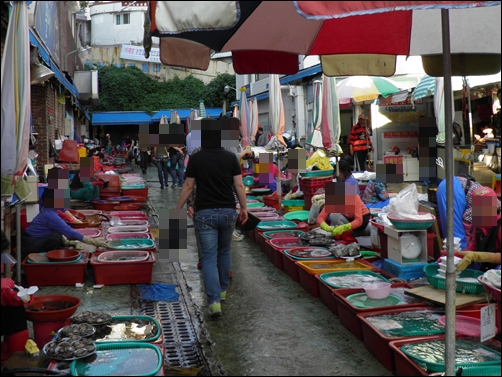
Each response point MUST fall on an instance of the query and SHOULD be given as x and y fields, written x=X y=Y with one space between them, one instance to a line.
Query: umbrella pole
x=18 y=243
x=471 y=165
x=279 y=188
x=450 y=268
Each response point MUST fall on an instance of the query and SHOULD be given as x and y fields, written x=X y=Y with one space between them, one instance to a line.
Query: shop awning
x=84 y=111
x=214 y=112
x=53 y=66
x=121 y=118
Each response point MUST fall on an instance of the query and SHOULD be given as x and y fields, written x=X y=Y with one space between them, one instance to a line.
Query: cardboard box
x=394 y=244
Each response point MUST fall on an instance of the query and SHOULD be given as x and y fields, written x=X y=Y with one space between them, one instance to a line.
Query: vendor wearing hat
x=260 y=137
x=359 y=142
x=484 y=245
x=345 y=211
x=109 y=144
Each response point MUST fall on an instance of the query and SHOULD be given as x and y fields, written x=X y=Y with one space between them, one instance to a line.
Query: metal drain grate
x=182 y=355
x=178 y=332
x=180 y=339
x=167 y=311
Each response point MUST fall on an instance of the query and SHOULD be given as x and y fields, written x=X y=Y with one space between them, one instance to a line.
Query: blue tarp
x=158 y=292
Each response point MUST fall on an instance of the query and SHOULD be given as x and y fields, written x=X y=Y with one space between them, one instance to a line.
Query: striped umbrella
x=245 y=121
x=315 y=138
x=254 y=118
x=16 y=103
x=330 y=122
x=365 y=88
x=202 y=109
x=425 y=87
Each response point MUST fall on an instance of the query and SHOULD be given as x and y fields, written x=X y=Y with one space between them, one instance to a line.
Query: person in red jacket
x=360 y=142
x=14 y=325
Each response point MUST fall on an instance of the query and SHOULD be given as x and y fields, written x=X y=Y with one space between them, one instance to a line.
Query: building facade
x=115 y=30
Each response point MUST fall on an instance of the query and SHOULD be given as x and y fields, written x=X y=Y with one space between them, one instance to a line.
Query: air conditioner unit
x=68 y=125
x=87 y=85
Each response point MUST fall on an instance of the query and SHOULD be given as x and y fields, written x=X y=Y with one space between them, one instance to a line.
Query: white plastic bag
x=405 y=204
x=58 y=144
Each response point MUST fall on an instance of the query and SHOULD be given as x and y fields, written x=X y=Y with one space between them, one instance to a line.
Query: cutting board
x=438 y=296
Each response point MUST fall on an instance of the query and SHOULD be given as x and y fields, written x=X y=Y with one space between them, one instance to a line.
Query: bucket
x=81 y=152
x=491 y=147
x=43 y=330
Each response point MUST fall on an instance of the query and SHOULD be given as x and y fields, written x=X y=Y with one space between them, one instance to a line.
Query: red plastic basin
x=35 y=314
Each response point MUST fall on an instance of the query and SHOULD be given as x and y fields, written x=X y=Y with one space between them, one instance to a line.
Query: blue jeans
x=215 y=228
x=179 y=160
x=162 y=171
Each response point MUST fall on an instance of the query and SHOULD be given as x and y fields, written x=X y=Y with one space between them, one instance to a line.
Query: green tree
x=129 y=89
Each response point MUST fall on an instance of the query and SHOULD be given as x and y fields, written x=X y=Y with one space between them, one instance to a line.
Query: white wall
x=106 y=32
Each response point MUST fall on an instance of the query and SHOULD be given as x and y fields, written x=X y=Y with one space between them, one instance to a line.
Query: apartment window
x=123 y=19
x=261 y=76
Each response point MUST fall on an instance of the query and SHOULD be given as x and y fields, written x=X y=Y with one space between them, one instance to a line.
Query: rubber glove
x=477 y=256
x=68 y=243
x=340 y=229
x=67 y=216
x=98 y=183
x=327 y=228
x=95 y=242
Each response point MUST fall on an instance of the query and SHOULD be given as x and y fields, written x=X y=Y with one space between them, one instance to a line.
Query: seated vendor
x=83 y=185
x=463 y=189
x=48 y=231
x=14 y=325
x=345 y=174
x=345 y=211
x=375 y=195
x=483 y=239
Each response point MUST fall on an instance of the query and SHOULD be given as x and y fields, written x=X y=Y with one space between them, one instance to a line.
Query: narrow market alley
x=270 y=324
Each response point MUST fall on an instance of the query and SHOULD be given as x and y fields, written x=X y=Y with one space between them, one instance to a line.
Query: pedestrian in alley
x=177 y=158
x=109 y=145
x=360 y=142
x=161 y=160
x=215 y=170
x=144 y=155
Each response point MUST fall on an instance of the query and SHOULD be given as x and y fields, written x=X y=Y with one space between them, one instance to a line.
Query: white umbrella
x=330 y=123
x=276 y=120
x=253 y=106
x=315 y=138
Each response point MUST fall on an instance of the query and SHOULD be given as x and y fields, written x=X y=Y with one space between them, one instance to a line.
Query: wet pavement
x=270 y=324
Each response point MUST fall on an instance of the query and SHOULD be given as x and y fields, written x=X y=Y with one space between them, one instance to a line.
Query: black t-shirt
x=214 y=170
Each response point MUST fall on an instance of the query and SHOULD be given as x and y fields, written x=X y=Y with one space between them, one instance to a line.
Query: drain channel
x=180 y=339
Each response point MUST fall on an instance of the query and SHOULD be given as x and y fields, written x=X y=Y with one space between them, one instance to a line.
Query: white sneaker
x=237 y=237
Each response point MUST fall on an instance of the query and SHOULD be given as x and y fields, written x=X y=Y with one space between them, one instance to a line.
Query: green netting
x=413 y=323
x=430 y=354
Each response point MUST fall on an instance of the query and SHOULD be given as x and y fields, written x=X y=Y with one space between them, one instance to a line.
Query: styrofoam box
x=394 y=244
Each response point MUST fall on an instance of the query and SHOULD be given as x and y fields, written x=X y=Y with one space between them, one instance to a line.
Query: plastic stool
x=496 y=183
